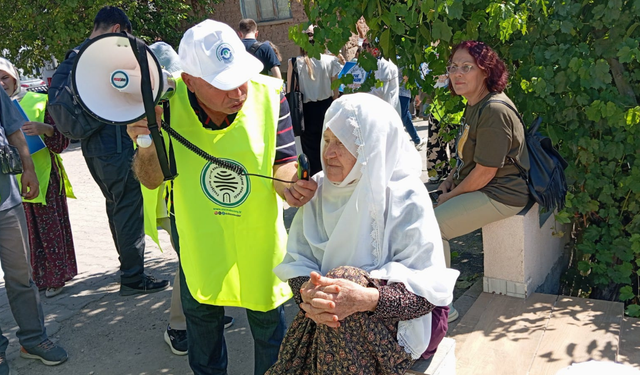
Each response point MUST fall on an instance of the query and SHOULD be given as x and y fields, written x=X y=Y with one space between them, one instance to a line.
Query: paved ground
x=108 y=334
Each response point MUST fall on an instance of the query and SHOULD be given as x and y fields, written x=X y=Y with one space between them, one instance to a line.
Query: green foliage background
x=34 y=30
x=576 y=64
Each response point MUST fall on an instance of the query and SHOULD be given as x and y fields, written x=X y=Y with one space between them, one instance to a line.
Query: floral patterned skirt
x=53 y=257
x=361 y=345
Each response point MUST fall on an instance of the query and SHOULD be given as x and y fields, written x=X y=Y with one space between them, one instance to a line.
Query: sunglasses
x=464 y=69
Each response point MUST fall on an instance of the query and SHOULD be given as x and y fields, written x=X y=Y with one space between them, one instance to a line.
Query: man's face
x=217 y=100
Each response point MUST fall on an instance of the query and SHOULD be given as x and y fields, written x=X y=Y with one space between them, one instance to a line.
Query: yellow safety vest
x=34 y=106
x=230 y=226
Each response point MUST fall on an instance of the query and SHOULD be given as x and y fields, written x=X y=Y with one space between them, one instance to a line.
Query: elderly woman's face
x=338 y=161
x=8 y=83
x=465 y=75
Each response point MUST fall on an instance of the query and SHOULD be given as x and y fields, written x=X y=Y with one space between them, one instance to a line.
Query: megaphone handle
x=140 y=52
x=144 y=140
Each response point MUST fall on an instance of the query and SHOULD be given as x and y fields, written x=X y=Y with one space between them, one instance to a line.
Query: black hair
x=247 y=26
x=109 y=16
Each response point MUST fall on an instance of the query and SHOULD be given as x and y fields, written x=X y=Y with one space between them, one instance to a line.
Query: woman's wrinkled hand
x=328 y=301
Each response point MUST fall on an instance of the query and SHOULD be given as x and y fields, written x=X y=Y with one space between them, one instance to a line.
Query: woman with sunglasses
x=484 y=186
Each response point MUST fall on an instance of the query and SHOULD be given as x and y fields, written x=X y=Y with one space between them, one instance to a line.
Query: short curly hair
x=488 y=60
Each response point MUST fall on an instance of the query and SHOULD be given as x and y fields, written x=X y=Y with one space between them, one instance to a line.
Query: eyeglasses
x=464 y=69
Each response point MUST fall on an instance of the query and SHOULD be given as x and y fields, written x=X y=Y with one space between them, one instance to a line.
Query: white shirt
x=323 y=70
x=389 y=92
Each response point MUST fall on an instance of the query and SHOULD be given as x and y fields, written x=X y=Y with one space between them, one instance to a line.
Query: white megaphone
x=106 y=79
x=110 y=85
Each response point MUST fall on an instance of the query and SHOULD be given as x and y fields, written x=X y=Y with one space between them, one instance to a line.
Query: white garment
x=379 y=219
x=8 y=67
x=389 y=92
x=323 y=70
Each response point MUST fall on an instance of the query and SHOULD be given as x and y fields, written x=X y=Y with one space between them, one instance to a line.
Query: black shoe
x=148 y=284
x=228 y=321
x=177 y=340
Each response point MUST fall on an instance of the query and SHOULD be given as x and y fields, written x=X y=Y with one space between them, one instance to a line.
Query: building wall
x=277 y=32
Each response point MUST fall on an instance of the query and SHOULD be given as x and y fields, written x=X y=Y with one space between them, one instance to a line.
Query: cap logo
x=224 y=52
x=119 y=79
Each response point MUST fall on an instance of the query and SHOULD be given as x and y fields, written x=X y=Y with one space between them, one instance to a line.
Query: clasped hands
x=328 y=301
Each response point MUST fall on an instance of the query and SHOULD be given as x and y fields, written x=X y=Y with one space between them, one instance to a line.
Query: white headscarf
x=8 y=67
x=380 y=218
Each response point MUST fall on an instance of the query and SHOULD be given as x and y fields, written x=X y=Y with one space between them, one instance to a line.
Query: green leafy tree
x=576 y=64
x=33 y=30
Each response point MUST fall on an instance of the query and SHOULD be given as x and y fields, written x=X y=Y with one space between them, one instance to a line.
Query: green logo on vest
x=224 y=187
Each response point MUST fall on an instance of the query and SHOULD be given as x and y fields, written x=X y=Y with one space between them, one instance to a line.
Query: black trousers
x=123 y=196
x=312 y=136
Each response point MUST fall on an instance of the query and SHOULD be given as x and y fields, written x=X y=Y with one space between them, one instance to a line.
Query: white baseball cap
x=212 y=51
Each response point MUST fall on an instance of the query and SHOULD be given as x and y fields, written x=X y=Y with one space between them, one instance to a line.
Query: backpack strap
x=521 y=170
x=70 y=52
x=254 y=47
x=507 y=105
x=295 y=80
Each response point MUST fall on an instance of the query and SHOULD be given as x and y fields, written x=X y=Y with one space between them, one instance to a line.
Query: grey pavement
x=104 y=333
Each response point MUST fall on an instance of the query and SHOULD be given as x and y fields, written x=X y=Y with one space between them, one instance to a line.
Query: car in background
x=33 y=84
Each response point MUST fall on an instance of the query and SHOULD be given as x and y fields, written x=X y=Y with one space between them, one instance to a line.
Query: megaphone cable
x=210 y=158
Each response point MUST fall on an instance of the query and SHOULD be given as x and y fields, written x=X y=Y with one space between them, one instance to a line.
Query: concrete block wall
x=520 y=255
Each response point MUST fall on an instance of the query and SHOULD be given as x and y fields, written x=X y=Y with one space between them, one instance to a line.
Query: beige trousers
x=177 y=319
x=467 y=212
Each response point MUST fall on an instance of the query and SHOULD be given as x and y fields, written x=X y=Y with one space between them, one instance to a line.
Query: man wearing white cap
x=227 y=226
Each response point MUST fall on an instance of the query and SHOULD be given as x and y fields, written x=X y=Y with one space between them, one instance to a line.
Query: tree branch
x=624 y=88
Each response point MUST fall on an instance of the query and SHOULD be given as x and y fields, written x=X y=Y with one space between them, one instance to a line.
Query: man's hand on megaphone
x=141 y=127
x=145 y=164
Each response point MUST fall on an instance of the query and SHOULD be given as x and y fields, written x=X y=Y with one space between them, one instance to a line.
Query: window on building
x=265 y=10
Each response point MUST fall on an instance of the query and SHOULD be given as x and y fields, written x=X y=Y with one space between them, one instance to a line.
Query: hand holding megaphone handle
x=140 y=51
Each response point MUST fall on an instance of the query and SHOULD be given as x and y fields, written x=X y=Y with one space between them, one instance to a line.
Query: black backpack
x=546 y=180
x=70 y=118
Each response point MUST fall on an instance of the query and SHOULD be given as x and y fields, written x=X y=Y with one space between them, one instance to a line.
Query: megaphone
x=109 y=84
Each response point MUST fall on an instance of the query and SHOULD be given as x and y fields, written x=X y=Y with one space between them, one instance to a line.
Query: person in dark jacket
x=109 y=152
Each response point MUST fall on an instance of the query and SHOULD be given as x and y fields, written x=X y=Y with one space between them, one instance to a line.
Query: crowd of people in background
x=381 y=274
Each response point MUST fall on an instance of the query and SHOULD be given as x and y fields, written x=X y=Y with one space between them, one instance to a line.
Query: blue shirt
x=10 y=122
x=264 y=53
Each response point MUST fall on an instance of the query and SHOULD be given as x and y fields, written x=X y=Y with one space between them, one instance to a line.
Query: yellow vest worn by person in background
x=230 y=227
x=34 y=106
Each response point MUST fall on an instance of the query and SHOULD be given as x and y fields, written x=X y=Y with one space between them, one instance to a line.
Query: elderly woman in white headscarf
x=364 y=256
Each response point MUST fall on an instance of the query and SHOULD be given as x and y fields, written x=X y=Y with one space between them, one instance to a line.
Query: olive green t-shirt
x=489 y=140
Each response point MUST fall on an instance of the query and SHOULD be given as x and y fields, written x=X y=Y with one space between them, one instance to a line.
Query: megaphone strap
x=140 y=51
